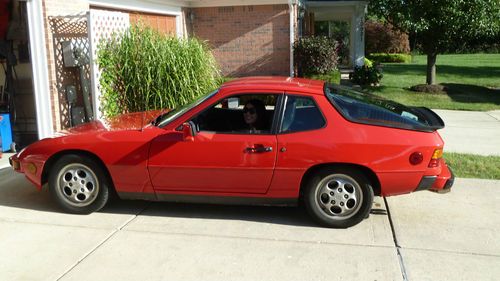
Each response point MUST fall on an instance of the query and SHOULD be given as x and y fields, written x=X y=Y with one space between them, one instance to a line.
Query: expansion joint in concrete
x=111 y=235
x=396 y=243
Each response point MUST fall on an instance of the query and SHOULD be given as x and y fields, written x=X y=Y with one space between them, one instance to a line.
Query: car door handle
x=259 y=149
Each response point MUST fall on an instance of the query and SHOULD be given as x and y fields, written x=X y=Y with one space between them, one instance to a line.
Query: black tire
x=338 y=197
x=78 y=184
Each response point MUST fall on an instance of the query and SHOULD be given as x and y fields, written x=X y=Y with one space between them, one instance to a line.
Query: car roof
x=277 y=83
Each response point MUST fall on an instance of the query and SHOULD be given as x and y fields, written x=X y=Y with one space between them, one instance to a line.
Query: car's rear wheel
x=78 y=184
x=339 y=197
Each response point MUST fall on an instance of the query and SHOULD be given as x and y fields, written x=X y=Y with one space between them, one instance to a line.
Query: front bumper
x=15 y=163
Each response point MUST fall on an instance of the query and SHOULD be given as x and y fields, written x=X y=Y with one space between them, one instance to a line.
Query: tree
x=442 y=25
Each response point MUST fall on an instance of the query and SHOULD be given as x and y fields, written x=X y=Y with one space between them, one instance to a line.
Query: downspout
x=39 y=67
x=292 y=4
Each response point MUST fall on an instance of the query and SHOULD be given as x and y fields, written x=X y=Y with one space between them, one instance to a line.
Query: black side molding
x=221 y=200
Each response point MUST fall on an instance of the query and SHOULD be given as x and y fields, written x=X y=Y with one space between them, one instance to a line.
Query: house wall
x=246 y=40
x=59 y=76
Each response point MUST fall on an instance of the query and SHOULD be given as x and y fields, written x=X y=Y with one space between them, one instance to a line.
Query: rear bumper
x=441 y=183
x=448 y=182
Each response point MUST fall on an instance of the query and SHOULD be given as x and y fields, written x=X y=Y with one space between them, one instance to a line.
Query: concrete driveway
x=422 y=236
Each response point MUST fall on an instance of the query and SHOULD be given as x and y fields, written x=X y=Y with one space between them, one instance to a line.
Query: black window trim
x=283 y=109
x=209 y=96
x=277 y=108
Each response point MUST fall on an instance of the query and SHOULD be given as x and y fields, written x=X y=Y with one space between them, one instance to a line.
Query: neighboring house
x=248 y=37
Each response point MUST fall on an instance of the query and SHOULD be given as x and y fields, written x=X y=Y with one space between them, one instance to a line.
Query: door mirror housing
x=188 y=131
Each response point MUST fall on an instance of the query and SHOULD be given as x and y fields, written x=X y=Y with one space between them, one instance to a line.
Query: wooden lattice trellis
x=103 y=24
x=69 y=29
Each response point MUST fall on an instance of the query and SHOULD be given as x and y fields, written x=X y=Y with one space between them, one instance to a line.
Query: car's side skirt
x=224 y=200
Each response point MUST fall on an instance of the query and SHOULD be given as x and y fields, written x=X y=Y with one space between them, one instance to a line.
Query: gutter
x=292 y=4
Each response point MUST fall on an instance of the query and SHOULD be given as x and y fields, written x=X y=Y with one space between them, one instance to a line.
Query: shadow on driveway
x=17 y=192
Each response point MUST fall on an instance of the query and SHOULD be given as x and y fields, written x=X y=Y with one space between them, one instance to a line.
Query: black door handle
x=259 y=149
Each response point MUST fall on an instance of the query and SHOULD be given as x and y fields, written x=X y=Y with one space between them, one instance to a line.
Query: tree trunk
x=431 y=69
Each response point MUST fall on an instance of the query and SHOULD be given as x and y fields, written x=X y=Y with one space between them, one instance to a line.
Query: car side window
x=301 y=114
x=241 y=114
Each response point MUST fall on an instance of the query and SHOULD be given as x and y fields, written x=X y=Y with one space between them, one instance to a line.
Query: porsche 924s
x=327 y=146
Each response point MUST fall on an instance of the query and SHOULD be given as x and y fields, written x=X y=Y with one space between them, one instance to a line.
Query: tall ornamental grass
x=143 y=69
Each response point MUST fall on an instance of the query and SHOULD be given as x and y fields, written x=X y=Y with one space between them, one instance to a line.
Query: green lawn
x=473 y=166
x=473 y=82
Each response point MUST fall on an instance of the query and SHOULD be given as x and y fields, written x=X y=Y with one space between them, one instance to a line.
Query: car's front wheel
x=338 y=198
x=78 y=184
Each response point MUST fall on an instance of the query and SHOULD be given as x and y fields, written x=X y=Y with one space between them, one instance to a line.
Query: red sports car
x=260 y=140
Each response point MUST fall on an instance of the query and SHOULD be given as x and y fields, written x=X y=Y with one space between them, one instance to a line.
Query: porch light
x=302 y=12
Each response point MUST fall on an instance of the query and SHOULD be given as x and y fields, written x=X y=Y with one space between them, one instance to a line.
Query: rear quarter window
x=370 y=109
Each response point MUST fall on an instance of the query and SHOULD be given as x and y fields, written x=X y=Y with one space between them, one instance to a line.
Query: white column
x=358 y=28
x=40 y=68
x=293 y=7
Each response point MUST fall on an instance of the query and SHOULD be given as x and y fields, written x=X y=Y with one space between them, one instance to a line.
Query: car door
x=301 y=141
x=220 y=158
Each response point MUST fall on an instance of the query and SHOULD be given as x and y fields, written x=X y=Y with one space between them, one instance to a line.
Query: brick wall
x=53 y=8
x=246 y=40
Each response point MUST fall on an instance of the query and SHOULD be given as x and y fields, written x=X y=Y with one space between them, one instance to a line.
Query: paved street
x=438 y=237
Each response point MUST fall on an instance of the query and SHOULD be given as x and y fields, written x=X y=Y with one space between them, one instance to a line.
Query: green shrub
x=332 y=77
x=365 y=75
x=144 y=70
x=384 y=38
x=315 y=55
x=368 y=62
x=383 y=57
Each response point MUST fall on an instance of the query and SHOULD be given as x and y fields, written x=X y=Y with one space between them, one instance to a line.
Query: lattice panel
x=69 y=29
x=103 y=24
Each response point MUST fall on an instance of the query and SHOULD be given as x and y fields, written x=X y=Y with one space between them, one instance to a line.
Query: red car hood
x=130 y=121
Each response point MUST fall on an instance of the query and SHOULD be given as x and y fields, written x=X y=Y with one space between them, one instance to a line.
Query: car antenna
x=143 y=112
x=142 y=120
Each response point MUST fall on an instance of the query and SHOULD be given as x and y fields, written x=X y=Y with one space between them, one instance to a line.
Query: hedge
x=383 y=57
x=332 y=77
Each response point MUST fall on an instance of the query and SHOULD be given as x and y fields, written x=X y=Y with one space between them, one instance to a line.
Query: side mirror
x=188 y=131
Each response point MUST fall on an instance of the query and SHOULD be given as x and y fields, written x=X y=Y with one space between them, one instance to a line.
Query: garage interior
x=18 y=126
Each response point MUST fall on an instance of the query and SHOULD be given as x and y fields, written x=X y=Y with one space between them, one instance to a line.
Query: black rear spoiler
x=431 y=118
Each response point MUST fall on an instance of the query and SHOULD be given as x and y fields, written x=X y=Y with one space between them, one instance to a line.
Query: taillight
x=436 y=156
x=416 y=158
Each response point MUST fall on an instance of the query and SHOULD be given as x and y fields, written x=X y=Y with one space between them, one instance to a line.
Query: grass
x=473 y=82
x=474 y=166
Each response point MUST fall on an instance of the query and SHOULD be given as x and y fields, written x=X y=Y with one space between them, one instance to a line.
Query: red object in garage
x=4 y=18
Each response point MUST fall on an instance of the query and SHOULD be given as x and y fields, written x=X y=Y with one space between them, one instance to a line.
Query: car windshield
x=167 y=117
x=368 y=108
